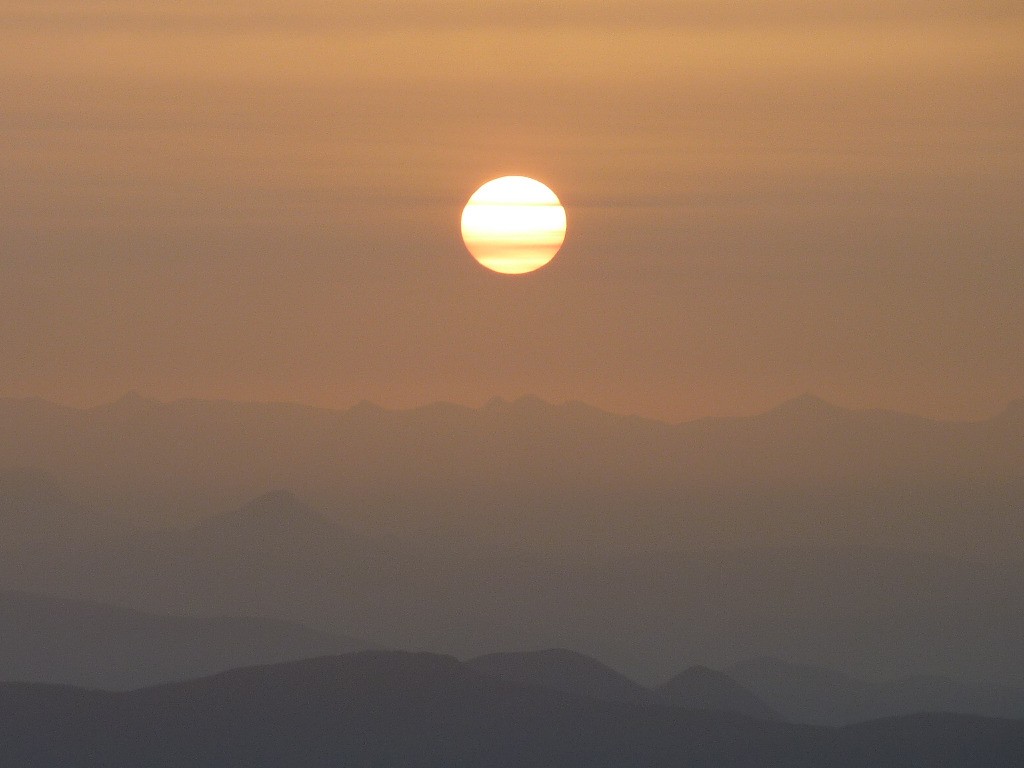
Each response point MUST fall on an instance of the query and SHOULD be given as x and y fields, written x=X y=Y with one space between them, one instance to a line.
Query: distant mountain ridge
x=48 y=639
x=74 y=642
x=702 y=688
x=806 y=473
x=562 y=670
x=271 y=517
x=866 y=611
x=70 y=642
x=558 y=669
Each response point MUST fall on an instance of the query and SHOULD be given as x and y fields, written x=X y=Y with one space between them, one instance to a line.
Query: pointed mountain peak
x=276 y=514
x=365 y=408
x=808 y=402
x=700 y=687
x=496 y=403
x=578 y=406
x=530 y=404
x=807 y=405
x=527 y=405
x=560 y=669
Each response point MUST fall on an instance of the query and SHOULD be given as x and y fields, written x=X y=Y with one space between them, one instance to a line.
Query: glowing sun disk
x=513 y=225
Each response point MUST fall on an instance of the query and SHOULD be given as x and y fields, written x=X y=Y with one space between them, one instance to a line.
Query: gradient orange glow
x=513 y=225
x=260 y=201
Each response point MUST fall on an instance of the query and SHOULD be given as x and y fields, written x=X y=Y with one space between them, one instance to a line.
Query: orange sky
x=261 y=200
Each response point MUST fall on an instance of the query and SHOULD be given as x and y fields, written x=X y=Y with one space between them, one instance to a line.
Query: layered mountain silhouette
x=703 y=688
x=392 y=709
x=869 y=612
x=536 y=475
x=51 y=640
x=879 y=544
x=559 y=669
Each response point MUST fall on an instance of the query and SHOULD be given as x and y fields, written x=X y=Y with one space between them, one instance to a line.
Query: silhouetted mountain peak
x=584 y=409
x=552 y=476
x=531 y=403
x=700 y=687
x=521 y=406
x=807 y=405
x=560 y=669
x=496 y=403
x=276 y=513
x=366 y=408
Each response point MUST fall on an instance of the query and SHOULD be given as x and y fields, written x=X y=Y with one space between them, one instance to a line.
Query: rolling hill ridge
x=378 y=708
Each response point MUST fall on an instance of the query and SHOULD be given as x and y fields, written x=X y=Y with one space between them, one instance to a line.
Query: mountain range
x=390 y=708
x=559 y=669
x=91 y=645
x=872 y=613
x=812 y=564
x=528 y=474
x=702 y=688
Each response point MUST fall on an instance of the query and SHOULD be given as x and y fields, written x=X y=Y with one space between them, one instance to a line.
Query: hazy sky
x=260 y=200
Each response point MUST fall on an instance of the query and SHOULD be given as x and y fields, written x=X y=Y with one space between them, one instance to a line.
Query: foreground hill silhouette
x=47 y=639
x=538 y=475
x=396 y=709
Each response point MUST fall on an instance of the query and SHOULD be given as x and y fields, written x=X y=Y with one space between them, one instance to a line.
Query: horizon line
x=805 y=400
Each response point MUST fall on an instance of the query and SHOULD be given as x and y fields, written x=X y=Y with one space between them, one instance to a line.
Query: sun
x=513 y=225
